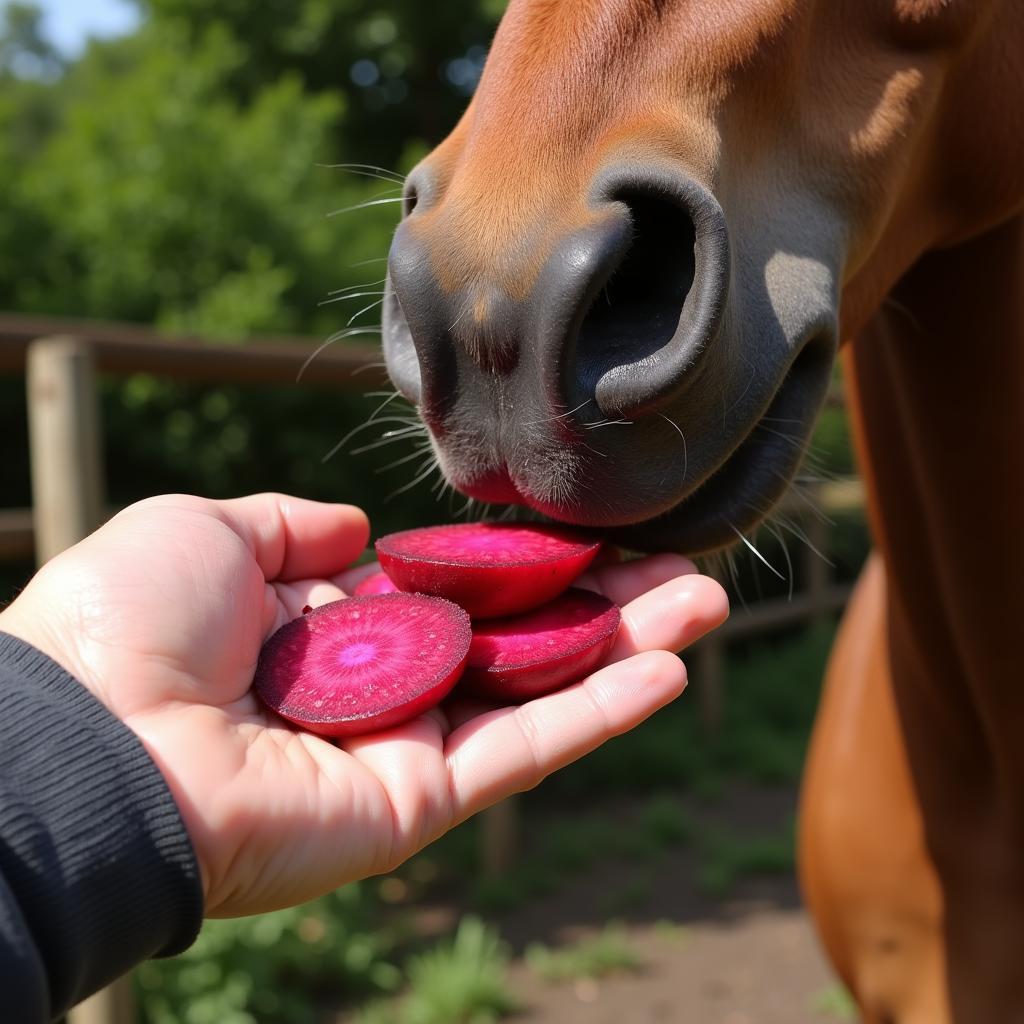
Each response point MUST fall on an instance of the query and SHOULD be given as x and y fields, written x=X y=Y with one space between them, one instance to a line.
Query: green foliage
x=770 y=694
x=727 y=857
x=665 y=820
x=608 y=952
x=24 y=49
x=257 y=969
x=461 y=981
x=405 y=66
x=176 y=177
x=836 y=1002
x=564 y=848
x=168 y=202
x=832 y=443
x=627 y=897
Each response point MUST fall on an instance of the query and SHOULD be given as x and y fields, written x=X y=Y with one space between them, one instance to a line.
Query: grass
x=266 y=968
x=672 y=931
x=606 y=953
x=726 y=857
x=835 y=1001
x=461 y=981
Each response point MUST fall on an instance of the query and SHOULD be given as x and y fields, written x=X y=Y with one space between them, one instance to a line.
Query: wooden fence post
x=499 y=837
x=710 y=681
x=64 y=444
x=65 y=447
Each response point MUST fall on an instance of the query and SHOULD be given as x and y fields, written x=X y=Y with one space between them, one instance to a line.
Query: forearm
x=96 y=870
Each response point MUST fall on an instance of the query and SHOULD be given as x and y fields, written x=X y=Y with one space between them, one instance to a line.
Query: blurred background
x=170 y=184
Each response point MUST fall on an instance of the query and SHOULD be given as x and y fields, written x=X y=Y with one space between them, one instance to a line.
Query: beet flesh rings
x=364 y=663
x=525 y=656
x=385 y=656
x=490 y=569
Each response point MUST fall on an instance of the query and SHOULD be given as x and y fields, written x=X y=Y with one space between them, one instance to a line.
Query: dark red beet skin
x=490 y=569
x=525 y=656
x=364 y=663
x=378 y=583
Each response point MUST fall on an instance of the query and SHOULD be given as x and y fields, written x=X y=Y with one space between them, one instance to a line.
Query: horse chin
x=752 y=479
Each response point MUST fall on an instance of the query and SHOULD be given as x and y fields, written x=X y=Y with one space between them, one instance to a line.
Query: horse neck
x=937 y=382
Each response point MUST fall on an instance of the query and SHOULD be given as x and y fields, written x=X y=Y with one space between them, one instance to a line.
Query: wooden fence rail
x=61 y=358
x=126 y=348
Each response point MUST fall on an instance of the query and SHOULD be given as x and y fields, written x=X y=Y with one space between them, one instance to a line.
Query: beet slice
x=490 y=569
x=378 y=583
x=364 y=663
x=524 y=656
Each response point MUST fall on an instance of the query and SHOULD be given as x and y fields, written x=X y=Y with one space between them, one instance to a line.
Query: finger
x=292 y=538
x=622 y=583
x=293 y=598
x=351 y=578
x=671 y=616
x=512 y=749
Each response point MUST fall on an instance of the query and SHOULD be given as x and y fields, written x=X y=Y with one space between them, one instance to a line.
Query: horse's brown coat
x=895 y=130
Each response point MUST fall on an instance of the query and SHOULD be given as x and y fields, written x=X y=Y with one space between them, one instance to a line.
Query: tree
x=25 y=52
x=172 y=177
x=405 y=67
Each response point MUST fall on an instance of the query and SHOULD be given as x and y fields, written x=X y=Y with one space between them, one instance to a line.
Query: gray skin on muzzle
x=659 y=383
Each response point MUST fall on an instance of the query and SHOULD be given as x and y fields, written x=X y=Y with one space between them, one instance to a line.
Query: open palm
x=162 y=613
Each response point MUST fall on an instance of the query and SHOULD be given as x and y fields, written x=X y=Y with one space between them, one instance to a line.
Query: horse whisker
x=365 y=204
x=785 y=552
x=682 y=437
x=351 y=295
x=418 y=478
x=756 y=552
x=379 y=172
x=404 y=459
x=365 y=309
x=330 y=341
x=356 y=287
x=388 y=437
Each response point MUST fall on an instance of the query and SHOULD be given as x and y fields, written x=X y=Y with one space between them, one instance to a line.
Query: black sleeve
x=96 y=869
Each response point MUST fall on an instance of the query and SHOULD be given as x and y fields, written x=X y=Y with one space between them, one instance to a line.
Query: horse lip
x=494 y=488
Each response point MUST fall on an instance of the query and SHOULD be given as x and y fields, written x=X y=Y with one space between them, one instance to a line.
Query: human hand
x=161 y=614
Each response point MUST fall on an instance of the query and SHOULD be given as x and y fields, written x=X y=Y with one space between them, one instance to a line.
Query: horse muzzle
x=614 y=387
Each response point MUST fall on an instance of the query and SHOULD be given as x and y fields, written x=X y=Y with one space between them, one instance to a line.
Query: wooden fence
x=61 y=359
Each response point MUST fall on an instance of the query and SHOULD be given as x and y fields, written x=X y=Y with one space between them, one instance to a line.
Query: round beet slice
x=378 y=583
x=364 y=663
x=524 y=656
x=490 y=569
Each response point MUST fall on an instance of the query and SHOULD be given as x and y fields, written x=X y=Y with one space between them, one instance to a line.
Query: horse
x=616 y=296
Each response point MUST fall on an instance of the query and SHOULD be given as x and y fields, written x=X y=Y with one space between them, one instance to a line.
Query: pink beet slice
x=378 y=583
x=490 y=569
x=364 y=663
x=518 y=658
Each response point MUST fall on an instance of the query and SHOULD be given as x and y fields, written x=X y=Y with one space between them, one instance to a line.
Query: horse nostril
x=638 y=310
x=409 y=198
x=420 y=190
x=656 y=295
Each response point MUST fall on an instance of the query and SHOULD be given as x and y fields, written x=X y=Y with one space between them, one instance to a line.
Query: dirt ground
x=755 y=962
x=751 y=958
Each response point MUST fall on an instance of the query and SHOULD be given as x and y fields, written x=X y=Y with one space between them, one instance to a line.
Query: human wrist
x=40 y=627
